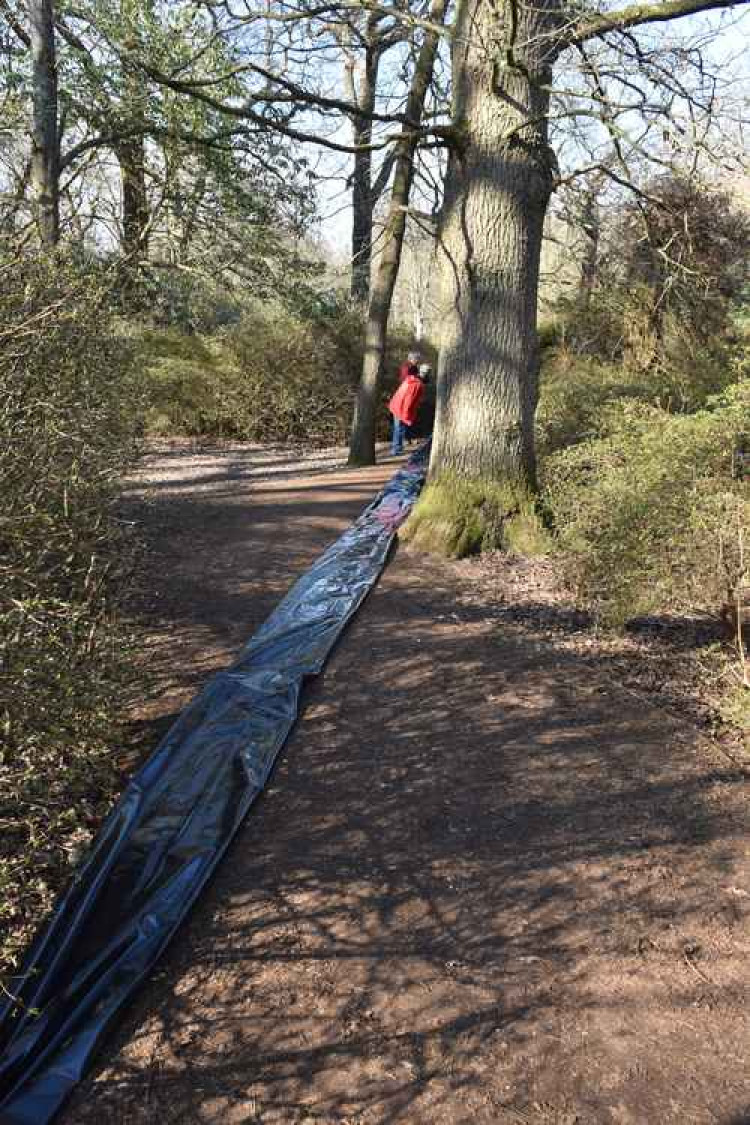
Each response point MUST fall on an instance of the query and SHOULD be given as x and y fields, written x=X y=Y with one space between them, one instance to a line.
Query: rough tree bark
x=45 y=142
x=498 y=186
x=364 y=424
x=362 y=194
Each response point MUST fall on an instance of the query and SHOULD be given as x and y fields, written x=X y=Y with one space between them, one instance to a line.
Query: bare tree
x=364 y=49
x=362 y=444
x=44 y=171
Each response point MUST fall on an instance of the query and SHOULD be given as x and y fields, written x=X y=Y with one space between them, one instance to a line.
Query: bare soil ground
x=488 y=882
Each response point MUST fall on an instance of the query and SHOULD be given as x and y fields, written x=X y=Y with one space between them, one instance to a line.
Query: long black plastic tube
x=170 y=828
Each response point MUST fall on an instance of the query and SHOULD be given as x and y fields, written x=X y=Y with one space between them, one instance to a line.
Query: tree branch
x=383 y=175
x=14 y=23
x=638 y=14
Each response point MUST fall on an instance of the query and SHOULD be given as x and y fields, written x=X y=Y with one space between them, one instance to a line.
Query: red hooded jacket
x=405 y=403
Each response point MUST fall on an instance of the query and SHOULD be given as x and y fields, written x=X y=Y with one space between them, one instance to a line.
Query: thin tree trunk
x=364 y=424
x=361 y=216
x=131 y=151
x=418 y=323
x=190 y=218
x=590 y=225
x=45 y=144
x=497 y=190
x=362 y=197
x=135 y=209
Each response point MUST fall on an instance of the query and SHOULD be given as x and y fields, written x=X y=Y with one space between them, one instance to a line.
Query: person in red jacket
x=409 y=367
x=404 y=407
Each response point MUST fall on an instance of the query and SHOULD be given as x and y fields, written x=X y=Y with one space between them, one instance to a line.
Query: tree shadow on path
x=482 y=885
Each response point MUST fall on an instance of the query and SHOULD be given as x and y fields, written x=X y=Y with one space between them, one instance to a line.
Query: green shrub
x=576 y=388
x=297 y=376
x=67 y=406
x=574 y=391
x=191 y=382
x=649 y=512
x=274 y=375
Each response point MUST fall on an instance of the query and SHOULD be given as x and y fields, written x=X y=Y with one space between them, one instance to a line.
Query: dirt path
x=484 y=885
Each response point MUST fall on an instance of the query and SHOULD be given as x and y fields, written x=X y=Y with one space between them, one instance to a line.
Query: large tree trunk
x=364 y=424
x=45 y=161
x=497 y=190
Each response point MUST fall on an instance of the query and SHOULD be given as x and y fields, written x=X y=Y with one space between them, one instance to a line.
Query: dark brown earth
x=486 y=883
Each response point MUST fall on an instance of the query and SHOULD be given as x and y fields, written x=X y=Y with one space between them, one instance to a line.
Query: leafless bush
x=66 y=431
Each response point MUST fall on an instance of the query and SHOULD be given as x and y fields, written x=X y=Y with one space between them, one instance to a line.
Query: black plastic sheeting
x=170 y=828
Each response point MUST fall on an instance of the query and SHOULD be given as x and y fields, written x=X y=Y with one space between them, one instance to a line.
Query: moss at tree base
x=456 y=517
